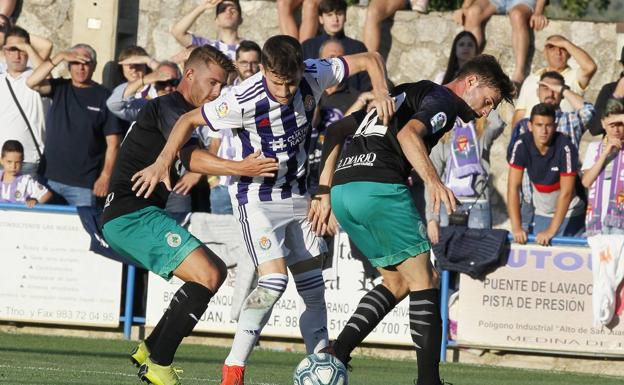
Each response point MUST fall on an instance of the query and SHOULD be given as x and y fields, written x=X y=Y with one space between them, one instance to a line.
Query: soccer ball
x=320 y=369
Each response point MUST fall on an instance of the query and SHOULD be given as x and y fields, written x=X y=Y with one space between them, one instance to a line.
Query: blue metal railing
x=444 y=287
x=130 y=275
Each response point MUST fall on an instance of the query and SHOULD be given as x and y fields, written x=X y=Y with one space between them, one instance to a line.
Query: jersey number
x=369 y=126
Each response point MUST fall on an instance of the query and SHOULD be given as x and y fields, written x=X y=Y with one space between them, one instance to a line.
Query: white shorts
x=279 y=229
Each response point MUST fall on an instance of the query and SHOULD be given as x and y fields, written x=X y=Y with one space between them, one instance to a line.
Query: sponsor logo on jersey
x=173 y=239
x=357 y=160
x=309 y=103
x=438 y=121
x=265 y=243
x=222 y=109
x=109 y=199
x=264 y=122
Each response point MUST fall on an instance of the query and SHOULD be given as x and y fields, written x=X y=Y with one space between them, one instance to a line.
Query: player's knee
x=398 y=287
x=269 y=290
x=212 y=277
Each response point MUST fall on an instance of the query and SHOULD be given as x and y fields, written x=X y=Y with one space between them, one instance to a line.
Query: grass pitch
x=46 y=360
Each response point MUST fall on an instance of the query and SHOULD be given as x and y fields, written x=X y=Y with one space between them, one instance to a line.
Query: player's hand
x=332 y=224
x=254 y=165
x=100 y=187
x=439 y=193
x=385 y=106
x=187 y=182
x=30 y=202
x=459 y=16
x=519 y=236
x=156 y=76
x=433 y=231
x=538 y=22
x=146 y=180
x=319 y=213
x=543 y=238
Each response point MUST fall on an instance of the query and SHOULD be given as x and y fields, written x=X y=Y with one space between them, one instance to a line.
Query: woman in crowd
x=463 y=49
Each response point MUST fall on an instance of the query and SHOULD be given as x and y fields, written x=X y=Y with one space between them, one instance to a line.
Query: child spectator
x=603 y=174
x=18 y=188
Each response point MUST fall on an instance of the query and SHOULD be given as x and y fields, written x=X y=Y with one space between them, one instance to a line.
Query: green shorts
x=152 y=239
x=381 y=219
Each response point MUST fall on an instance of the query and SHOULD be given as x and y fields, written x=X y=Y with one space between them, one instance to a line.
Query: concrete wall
x=417 y=45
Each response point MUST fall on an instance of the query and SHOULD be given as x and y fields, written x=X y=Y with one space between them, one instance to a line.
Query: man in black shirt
x=139 y=228
x=370 y=199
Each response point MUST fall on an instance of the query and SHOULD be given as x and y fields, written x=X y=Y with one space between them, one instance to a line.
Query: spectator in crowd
x=557 y=52
x=332 y=16
x=523 y=14
x=42 y=46
x=610 y=90
x=552 y=90
x=309 y=18
x=228 y=18
x=28 y=129
x=18 y=187
x=464 y=48
x=82 y=136
x=551 y=161
x=380 y=10
x=603 y=174
x=462 y=160
x=128 y=98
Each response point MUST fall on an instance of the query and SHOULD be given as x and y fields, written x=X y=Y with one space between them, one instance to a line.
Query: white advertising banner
x=542 y=300
x=49 y=275
x=345 y=285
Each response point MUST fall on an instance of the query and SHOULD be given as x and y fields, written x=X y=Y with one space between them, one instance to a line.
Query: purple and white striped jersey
x=228 y=49
x=281 y=132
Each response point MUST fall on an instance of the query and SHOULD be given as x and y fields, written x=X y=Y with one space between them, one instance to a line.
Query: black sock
x=426 y=330
x=187 y=306
x=372 y=308
x=150 y=341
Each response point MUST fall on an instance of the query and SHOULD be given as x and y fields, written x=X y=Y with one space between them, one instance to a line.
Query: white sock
x=313 y=313
x=254 y=315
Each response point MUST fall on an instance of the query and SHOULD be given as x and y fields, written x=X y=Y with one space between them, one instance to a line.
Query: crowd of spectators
x=69 y=130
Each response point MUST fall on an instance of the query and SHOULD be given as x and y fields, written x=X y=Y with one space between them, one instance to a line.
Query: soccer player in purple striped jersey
x=271 y=112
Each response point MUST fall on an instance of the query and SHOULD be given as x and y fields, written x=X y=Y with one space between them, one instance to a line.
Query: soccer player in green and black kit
x=371 y=201
x=139 y=228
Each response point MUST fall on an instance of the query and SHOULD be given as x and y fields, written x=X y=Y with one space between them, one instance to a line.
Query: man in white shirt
x=18 y=52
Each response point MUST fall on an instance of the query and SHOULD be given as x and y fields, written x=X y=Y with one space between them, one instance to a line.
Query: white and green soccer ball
x=320 y=369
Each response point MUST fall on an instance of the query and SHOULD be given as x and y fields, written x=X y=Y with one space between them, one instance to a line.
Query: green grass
x=46 y=360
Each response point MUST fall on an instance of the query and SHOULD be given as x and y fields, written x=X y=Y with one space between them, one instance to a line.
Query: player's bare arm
x=320 y=207
x=373 y=64
x=410 y=139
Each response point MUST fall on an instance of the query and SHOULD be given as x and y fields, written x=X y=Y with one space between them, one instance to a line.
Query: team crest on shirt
x=309 y=103
x=438 y=121
x=264 y=243
x=173 y=239
x=18 y=195
x=620 y=199
x=222 y=109
x=462 y=143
